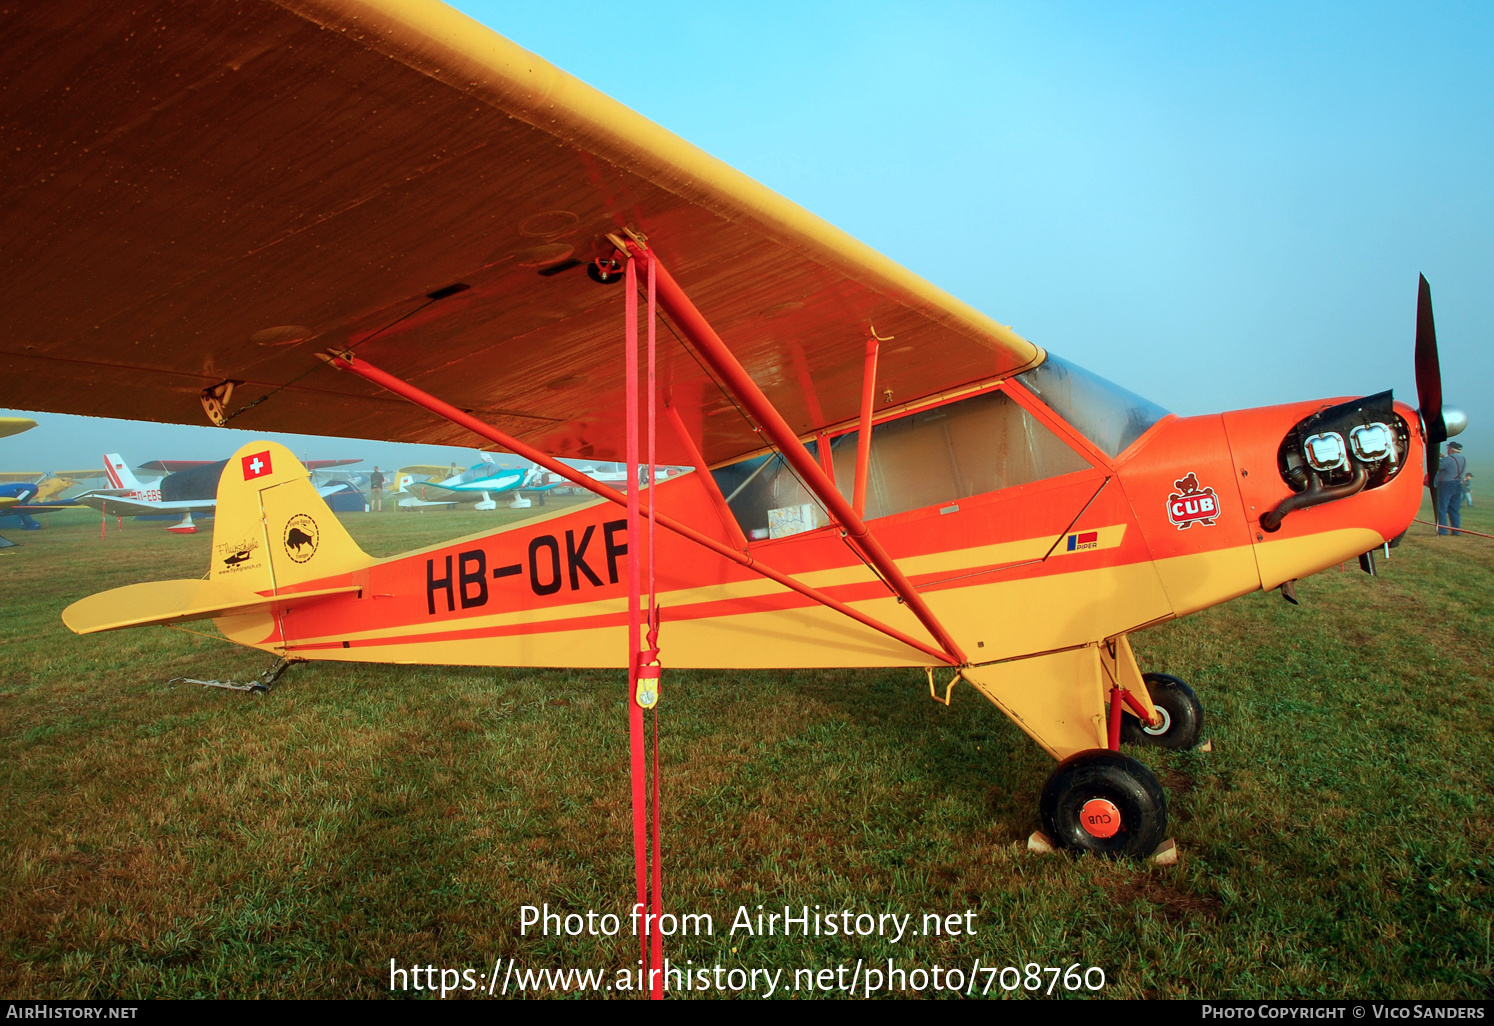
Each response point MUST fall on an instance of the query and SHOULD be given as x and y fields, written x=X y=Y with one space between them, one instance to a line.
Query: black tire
x=1182 y=715
x=1098 y=784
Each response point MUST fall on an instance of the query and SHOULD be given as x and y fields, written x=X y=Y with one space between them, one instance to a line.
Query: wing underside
x=200 y=195
x=120 y=507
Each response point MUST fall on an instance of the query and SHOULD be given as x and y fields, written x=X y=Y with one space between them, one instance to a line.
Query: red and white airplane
x=128 y=496
x=187 y=487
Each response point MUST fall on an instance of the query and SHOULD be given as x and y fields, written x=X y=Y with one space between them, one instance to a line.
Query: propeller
x=1428 y=371
x=1440 y=423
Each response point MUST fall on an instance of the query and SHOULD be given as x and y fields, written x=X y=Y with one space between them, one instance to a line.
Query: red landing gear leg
x=1120 y=697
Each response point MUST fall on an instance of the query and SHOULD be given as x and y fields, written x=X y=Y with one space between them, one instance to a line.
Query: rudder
x=119 y=474
x=272 y=530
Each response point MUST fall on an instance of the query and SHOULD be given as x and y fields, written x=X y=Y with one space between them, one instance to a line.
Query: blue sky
x=1216 y=206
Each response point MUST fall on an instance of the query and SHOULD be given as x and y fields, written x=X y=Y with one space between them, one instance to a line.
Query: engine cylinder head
x=1326 y=451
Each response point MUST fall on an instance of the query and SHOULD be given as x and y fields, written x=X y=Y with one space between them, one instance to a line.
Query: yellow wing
x=15 y=425
x=207 y=194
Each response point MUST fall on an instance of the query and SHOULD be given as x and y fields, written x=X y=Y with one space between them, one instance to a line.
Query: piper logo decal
x=1080 y=542
x=257 y=465
x=1096 y=539
x=1191 y=504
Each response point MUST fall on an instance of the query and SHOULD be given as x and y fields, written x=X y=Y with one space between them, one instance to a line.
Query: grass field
x=164 y=843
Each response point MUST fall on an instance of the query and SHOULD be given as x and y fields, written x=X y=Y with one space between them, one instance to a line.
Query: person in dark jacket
x=1449 y=492
x=376 y=489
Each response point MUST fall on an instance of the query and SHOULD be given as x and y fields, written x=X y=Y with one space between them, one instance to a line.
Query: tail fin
x=119 y=474
x=272 y=530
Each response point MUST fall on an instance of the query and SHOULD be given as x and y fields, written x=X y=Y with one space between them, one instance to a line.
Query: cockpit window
x=1108 y=415
x=968 y=447
x=765 y=496
x=480 y=471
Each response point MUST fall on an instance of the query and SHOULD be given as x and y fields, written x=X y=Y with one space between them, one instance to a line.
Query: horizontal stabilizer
x=158 y=602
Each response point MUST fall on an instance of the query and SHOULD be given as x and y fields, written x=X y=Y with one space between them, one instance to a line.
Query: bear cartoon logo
x=1192 y=504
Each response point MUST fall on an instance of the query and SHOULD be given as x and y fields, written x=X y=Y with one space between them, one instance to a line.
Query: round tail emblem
x=1100 y=817
x=301 y=537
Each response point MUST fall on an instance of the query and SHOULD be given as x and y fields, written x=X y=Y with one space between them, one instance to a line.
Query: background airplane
x=502 y=479
x=37 y=492
x=12 y=426
x=198 y=479
x=490 y=478
x=192 y=489
x=26 y=499
x=410 y=486
x=15 y=425
x=50 y=484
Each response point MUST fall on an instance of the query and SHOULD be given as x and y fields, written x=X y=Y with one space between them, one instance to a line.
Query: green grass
x=165 y=843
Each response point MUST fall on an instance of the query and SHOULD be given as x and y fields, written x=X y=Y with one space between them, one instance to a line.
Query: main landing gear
x=1178 y=709
x=1102 y=801
x=1106 y=802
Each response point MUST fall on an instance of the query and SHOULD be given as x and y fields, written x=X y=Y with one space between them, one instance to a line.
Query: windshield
x=483 y=471
x=1106 y=414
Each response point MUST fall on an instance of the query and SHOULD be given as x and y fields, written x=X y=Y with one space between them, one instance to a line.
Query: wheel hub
x=1100 y=818
x=1164 y=723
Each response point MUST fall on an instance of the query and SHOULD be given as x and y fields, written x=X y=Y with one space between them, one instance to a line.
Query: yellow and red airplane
x=377 y=218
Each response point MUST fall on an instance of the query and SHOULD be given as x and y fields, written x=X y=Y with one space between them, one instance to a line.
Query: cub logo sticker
x=257 y=465
x=1191 y=504
x=301 y=537
x=1100 y=817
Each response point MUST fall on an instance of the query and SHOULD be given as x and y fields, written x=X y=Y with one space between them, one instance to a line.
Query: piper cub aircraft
x=380 y=219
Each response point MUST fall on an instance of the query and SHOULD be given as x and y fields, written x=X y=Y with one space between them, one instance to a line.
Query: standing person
x=1468 y=489
x=1450 y=471
x=376 y=489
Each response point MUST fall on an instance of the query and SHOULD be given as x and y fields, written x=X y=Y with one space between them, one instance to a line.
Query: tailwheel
x=1105 y=802
x=1178 y=709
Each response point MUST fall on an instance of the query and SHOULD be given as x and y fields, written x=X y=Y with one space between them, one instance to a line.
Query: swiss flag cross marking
x=257 y=465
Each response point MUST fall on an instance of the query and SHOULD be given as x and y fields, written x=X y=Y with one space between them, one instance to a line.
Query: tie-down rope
x=643 y=663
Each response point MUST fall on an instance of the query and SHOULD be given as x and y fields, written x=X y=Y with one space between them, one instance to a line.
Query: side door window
x=968 y=447
x=930 y=457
